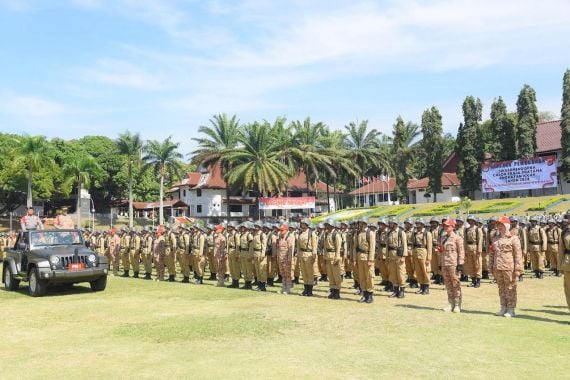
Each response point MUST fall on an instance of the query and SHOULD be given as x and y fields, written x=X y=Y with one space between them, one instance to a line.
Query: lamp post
x=92 y=213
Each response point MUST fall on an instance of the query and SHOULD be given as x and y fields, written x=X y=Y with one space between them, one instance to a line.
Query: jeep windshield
x=50 y=238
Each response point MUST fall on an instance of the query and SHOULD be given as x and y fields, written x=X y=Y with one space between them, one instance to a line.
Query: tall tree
x=405 y=143
x=257 y=162
x=79 y=170
x=503 y=144
x=432 y=142
x=33 y=152
x=365 y=149
x=164 y=158
x=565 y=123
x=527 y=118
x=221 y=138
x=469 y=146
x=130 y=146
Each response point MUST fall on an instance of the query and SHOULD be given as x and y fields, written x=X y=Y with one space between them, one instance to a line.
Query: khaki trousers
x=307 y=262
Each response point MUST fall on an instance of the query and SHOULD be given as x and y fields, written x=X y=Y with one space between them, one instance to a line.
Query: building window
x=184 y=192
x=198 y=209
x=236 y=208
x=199 y=192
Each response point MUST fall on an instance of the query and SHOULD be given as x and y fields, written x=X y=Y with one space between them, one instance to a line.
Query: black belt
x=306 y=251
x=383 y=245
x=534 y=242
x=419 y=246
x=553 y=241
x=330 y=251
x=567 y=251
x=472 y=242
x=361 y=250
x=393 y=247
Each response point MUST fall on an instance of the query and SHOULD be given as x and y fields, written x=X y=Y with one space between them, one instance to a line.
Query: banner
x=534 y=173
x=286 y=203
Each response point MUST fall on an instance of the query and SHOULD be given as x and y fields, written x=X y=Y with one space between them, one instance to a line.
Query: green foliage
x=470 y=145
x=502 y=126
x=565 y=124
x=496 y=206
x=404 y=146
x=432 y=130
x=465 y=203
x=366 y=149
x=546 y=205
x=388 y=211
x=527 y=116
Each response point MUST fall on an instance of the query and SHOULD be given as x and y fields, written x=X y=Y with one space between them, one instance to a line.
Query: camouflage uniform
x=285 y=249
x=451 y=262
x=159 y=253
x=114 y=252
x=505 y=257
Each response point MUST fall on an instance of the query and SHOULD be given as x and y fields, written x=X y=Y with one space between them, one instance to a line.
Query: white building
x=418 y=190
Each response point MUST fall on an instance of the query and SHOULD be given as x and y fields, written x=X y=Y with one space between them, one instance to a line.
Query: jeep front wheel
x=99 y=285
x=10 y=283
x=38 y=286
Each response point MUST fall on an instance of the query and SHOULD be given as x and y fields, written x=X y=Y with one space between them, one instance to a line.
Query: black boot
x=401 y=293
x=370 y=298
x=234 y=284
x=185 y=280
x=261 y=287
x=477 y=283
x=541 y=275
x=432 y=276
x=395 y=292
x=125 y=274
x=348 y=275
x=279 y=279
x=383 y=283
x=441 y=282
x=315 y=281
x=325 y=278
x=414 y=284
x=356 y=285
x=389 y=287
x=364 y=297
x=247 y=286
x=331 y=294
x=309 y=290
x=305 y=290
x=147 y=276
x=376 y=272
x=270 y=281
x=255 y=282
x=136 y=275
x=485 y=275
x=296 y=280
x=421 y=291
x=558 y=273
x=171 y=278
x=336 y=294
x=464 y=278
x=426 y=290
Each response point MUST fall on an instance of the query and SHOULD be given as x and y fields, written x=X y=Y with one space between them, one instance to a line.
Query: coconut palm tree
x=131 y=147
x=365 y=149
x=33 y=153
x=79 y=169
x=163 y=158
x=221 y=138
x=257 y=162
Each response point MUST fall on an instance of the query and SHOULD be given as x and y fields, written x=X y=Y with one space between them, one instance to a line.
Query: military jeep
x=52 y=257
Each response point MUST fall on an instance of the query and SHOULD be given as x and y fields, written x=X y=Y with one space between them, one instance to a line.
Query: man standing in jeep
x=31 y=221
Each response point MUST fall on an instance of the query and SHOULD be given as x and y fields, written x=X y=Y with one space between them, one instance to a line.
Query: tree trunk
x=78 y=205
x=130 y=195
x=328 y=199
x=29 y=200
x=434 y=197
x=161 y=203
x=228 y=217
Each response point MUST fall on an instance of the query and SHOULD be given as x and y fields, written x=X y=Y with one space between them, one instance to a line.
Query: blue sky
x=77 y=67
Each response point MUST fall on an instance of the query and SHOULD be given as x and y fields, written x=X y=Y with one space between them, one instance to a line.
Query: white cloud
x=122 y=73
x=29 y=106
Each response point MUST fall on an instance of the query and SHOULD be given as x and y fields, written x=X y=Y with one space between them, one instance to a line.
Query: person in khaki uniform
x=564 y=256
x=410 y=270
x=332 y=242
x=473 y=238
x=171 y=240
x=537 y=246
x=270 y=252
x=490 y=233
x=220 y=252
x=505 y=258
x=346 y=264
x=3 y=245
x=397 y=252
x=210 y=234
x=364 y=250
x=233 y=255
x=245 y=257
x=307 y=244
x=134 y=252
x=159 y=253
x=258 y=247
x=422 y=253
x=451 y=263
x=146 y=251
x=382 y=254
x=183 y=254
x=435 y=234
x=124 y=251
x=520 y=233
x=198 y=253
x=319 y=266
x=553 y=233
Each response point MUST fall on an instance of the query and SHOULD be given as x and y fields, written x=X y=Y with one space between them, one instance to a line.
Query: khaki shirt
x=537 y=238
x=564 y=252
x=364 y=245
x=332 y=242
x=422 y=244
x=198 y=242
x=396 y=238
x=307 y=242
x=258 y=243
x=474 y=239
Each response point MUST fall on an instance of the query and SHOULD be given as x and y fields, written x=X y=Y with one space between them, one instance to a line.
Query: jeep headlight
x=54 y=260
x=92 y=258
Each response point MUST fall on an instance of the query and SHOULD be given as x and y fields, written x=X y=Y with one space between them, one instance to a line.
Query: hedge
x=496 y=206
x=547 y=205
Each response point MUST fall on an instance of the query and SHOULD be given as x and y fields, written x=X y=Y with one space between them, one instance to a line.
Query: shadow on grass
x=556 y=307
x=540 y=319
x=55 y=290
x=553 y=312
x=466 y=311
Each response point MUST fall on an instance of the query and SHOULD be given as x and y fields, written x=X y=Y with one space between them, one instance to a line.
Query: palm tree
x=130 y=146
x=221 y=138
x=79 y=169
x=404 y=144
x=33 y=152
x=163 y=158
x=258 y=164
x=365 y=148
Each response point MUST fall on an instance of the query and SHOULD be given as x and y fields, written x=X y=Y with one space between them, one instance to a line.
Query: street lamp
x=92 y=213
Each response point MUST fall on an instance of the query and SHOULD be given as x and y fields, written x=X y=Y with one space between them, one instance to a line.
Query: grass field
x=146 y=329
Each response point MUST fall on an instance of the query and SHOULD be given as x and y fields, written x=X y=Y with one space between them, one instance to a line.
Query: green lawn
x=146 y=329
